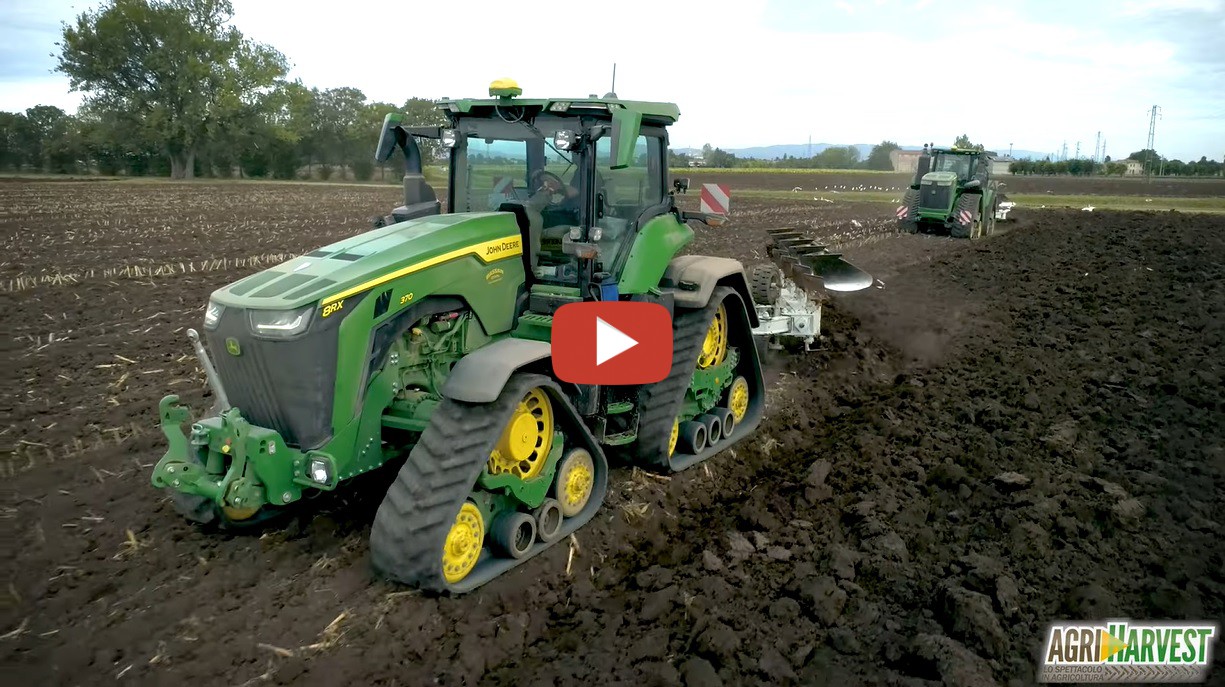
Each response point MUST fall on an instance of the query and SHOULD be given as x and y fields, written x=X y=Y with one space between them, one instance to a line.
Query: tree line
x=172 y=89
x=1084 y=167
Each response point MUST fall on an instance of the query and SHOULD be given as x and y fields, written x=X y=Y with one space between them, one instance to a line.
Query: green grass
x=1023 y=201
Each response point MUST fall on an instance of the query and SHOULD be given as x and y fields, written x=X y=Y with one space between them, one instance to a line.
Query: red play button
x=612 y=342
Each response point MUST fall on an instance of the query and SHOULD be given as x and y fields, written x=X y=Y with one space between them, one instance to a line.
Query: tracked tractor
x=424 y=345
x=953 y=192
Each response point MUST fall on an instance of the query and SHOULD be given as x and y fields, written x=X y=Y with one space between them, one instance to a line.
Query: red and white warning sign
x=504 y=186
x=716 y=199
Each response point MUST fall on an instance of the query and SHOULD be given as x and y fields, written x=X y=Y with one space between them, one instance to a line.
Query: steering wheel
x=539 y=178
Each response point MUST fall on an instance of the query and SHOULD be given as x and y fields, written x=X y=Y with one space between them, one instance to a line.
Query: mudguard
x=480 y=376
x=706 y=272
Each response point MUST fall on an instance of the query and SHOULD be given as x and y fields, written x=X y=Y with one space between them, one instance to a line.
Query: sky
x=1034 y=74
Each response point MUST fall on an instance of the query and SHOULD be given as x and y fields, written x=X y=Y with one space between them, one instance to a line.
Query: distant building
x=1134 y=167
x=905 y=160
x=999 y=165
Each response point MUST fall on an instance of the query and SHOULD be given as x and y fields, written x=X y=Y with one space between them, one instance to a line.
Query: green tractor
x=953 y=191
x=425 y=343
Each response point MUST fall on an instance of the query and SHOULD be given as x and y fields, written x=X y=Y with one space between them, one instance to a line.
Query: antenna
x=614 y=81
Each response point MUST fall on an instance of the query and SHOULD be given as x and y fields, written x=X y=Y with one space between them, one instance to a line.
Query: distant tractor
x=953 y=191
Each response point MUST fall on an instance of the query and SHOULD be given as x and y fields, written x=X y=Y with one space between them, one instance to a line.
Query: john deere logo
x=231 y=346
x=493 y=276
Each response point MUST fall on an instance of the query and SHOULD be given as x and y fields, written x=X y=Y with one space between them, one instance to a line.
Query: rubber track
x=412 y=523
x=967 y=201
x=660 y=403
x=911 y=200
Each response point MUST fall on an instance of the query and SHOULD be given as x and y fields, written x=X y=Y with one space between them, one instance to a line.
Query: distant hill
x=801 y=150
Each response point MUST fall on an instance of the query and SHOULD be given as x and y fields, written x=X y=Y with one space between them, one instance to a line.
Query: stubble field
x=996 y=435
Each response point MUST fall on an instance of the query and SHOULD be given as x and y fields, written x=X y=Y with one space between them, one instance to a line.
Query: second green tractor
x=953 y=192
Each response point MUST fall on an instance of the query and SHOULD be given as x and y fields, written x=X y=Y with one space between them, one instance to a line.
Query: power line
x=1152 y=132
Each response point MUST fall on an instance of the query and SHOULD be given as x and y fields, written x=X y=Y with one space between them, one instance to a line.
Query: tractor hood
x=359 y=263
x=940 y=178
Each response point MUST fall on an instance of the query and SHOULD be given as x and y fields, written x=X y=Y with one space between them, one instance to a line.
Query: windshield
x=958 y=164
x=500 y=161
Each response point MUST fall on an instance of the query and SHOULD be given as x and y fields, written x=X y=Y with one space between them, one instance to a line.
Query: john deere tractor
x=425 y=342
x=953 y=192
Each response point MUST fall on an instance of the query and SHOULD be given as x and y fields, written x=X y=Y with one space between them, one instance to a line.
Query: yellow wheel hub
x=575 y=478
x=463 y=544
x=714 y=348
x=738 y=398
x=527 y=438
x=676 y=432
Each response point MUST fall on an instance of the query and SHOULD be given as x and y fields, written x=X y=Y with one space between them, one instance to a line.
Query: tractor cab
x=967 y=165
x=586 y=180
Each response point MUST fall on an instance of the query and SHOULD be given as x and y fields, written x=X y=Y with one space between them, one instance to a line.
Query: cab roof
x=504 y=94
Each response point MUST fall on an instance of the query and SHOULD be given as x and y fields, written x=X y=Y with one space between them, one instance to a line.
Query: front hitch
x=215 y=460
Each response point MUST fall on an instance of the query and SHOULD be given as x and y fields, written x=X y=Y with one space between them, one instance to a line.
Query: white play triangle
x=610 y=342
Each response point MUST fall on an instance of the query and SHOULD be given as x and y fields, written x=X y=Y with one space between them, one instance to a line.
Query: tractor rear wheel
x=908 y=212
x=439 y=530
x=702 y=340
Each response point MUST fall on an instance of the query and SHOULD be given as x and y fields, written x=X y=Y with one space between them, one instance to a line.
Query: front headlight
x=280 y=324
x=212 y=315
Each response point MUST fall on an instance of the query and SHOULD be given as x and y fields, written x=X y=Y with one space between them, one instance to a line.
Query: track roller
x=727 y=422
x=714 y=428
x=513 y=534
x=692 y=437
x=548 y=517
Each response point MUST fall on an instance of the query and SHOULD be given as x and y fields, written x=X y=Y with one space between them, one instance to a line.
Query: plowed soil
x=996 y=435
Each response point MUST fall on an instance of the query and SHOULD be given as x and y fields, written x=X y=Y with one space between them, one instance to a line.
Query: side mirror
x=975 y=183
x=681 y=184
x=389 y=137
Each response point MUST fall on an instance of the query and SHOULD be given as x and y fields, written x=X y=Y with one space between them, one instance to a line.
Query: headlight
x=321 y=471
x=449 y=138
x=213 y=315
x=280 y=324
x=596 y=233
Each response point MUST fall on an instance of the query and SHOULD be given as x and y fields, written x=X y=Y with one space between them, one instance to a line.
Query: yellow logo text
x=333 y=307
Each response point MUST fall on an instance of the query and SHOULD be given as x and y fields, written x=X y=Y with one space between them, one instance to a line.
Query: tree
x=721 y=158
x=963 y=141
x=174 y=69
x=879 y=157
x=1144 y=154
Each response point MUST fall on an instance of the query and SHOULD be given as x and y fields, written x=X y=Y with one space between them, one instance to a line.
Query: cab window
x=629 y=191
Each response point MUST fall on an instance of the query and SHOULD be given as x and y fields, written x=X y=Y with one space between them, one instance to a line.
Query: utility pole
x=1063 y=154
x=1077 y=151
x=1152 y=132
x=1097 y=148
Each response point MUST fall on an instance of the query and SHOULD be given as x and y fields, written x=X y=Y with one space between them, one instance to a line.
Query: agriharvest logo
x=1122 y=651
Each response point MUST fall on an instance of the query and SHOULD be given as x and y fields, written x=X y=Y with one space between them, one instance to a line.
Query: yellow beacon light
x=505 y=88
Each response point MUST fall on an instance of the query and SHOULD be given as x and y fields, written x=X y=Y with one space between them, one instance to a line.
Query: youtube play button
x=611 y=343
